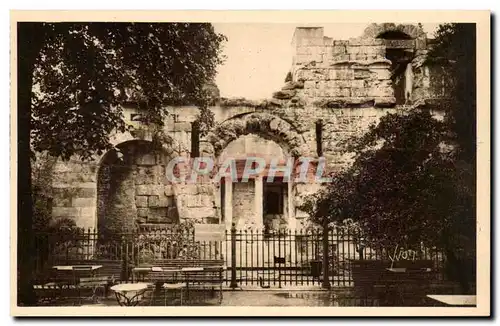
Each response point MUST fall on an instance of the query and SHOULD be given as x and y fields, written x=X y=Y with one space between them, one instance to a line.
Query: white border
x=477 y=4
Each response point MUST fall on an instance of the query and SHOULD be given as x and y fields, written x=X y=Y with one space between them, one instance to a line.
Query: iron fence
x=252 y=257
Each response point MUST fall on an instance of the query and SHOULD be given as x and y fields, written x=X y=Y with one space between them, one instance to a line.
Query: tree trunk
x=29 y=42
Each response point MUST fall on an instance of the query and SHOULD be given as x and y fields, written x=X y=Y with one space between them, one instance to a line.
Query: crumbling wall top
x=376 y=30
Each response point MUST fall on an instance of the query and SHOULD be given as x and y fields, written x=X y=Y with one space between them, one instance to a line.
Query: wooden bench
x=48 y=291
x=383 y=275
x=108 y=275
x=411 y=271
x=197 y=273
x=63 y=282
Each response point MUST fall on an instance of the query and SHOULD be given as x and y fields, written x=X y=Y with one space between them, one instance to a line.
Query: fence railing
x=252 y=257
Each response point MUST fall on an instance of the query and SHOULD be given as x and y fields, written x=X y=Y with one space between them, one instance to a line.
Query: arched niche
x=400 y=48
x=132 y=187
x=257 y=202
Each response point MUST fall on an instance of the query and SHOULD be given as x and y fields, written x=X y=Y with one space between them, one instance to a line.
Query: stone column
x=228 y=202
x=259 y=209
x=408 y=82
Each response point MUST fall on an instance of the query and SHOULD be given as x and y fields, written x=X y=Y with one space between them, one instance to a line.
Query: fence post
x=360 y=246
x=326 y=256
x=233 y=284
x=124 y=256
x=361 y=251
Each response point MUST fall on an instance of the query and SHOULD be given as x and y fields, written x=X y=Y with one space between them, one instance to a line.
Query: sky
x=258 y=56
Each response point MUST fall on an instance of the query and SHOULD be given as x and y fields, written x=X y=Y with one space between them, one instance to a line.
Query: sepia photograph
x=191 y=164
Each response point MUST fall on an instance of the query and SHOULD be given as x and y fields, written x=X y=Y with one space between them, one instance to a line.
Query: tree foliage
x=73 y=79
x=403 y=187
x=454 y=48
x=42 y=169
x=85 y=71
x=412 y=180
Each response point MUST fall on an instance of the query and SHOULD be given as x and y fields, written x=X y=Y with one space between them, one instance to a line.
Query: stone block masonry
x=347 y=85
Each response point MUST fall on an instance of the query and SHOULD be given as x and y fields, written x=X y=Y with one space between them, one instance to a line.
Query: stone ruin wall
x=346 y=84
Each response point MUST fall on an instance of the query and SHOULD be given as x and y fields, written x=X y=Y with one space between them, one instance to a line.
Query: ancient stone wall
x=136 y=190
x=75 y=192
x=243 y=204
x=346 y=85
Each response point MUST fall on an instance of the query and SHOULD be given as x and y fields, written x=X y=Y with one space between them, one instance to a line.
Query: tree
x=454 y=49
x=412 y=180
x=405 y=188
x=72 y=80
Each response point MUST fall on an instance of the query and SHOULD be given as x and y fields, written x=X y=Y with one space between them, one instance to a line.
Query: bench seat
x=108 y=275
x=210 y=277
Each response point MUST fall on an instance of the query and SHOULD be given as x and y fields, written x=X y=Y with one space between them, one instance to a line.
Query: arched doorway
x=258 y=203
x=400 y=43
x=400 y=50
x=263 y=135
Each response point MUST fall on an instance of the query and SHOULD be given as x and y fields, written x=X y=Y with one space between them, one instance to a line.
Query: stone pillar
x=286 y=205
x=259 y=209
x=408 y=82
x=228 y=202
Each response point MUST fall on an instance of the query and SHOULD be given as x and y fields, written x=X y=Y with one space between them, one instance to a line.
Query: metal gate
x=284 y=259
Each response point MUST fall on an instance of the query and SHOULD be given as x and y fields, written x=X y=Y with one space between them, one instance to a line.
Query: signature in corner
x=402 y=254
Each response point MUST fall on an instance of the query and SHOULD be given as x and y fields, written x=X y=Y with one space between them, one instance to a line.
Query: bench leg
x=152 y=297
x=106 y=290
x=100 y=287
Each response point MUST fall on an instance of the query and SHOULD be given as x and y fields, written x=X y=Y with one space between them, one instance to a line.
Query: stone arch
x=132 y=187
x=267 y=126
x=173 y=149
x=375 y=30
x=75 y=182
x=253 y=145
x=120 y=138
x=401 y=43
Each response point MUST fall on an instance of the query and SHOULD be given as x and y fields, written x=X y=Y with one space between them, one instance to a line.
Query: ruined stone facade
x=335 y=89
